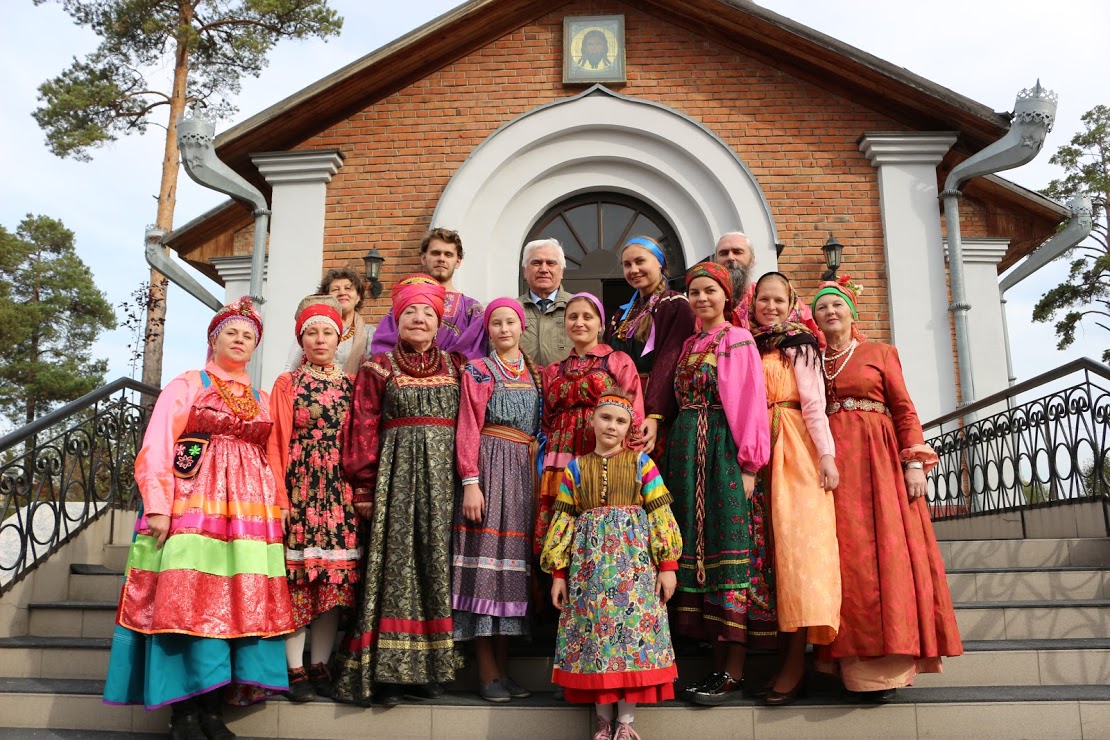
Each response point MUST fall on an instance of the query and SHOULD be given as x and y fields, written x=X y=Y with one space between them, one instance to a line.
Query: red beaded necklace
x=418 y=364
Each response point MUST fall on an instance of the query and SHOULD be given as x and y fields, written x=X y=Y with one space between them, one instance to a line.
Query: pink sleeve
x=477 y=389
x=277 y=449
x=811 y=389
x=624 y=372
x=154 y=463
x=744 y=398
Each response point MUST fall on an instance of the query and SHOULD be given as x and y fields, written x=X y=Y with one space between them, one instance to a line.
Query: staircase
x=1034 y=614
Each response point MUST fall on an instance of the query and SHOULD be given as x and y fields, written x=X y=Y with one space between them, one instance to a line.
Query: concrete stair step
x=115 y=556
x=989 y=712
x=94 y=582
x=1033 y=620
x=1025 y=553
x=1028 y=584
x=72 y=618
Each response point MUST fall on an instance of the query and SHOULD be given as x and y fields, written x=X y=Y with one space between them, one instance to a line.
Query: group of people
x=728 y=465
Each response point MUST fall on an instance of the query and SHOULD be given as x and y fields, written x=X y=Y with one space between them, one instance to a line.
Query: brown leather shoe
x=783 y=698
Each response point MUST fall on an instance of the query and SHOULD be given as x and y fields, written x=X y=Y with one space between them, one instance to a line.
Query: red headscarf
x=417 y=288
x=318 y=309
x=717 y=273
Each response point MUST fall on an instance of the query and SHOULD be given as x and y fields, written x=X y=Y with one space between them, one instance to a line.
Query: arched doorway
x=592 y=227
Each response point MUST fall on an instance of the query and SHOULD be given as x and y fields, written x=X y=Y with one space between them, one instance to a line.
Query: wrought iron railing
x=65 y=470
x=1043 y=442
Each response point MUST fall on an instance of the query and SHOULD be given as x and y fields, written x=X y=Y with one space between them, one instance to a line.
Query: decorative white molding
x=916 y=271
x=597 y=141
x=295 y=259
x=988 y=250
x=906 y=148
x=299 y=166
x=235 y=268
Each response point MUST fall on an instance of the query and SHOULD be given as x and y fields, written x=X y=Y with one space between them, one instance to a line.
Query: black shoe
x=884 y=696
x=185 y=725
x=717 y=689
x=320 y=678
x=388 y=695
x=212 y=724
x=423 y=690
x=687 y=693
x=300 y=688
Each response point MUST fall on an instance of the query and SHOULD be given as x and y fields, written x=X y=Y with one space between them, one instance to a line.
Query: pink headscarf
x=594 y=300
x=512 y=303
x=417 y=288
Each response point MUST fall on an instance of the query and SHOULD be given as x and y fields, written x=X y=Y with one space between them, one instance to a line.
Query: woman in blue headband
x=651 y=328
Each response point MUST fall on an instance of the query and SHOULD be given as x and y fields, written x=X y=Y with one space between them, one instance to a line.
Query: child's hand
x=828 y=476
x=665 y=584
x=749 y=484
x=285 y=520
x=559 y=592
x=474 y=503
x=159 y=526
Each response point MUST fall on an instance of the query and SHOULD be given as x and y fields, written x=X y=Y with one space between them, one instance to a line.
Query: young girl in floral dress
x=612 y=551
x=322 y=550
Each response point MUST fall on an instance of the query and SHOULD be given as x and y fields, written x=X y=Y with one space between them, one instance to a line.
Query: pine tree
x=1086 y=292
x=51 y=312
x=207 y=45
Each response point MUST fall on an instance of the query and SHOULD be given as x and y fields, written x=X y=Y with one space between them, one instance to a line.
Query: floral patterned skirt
x=614 y=641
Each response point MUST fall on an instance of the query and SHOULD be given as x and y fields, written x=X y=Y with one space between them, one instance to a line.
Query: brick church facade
x=729 y=117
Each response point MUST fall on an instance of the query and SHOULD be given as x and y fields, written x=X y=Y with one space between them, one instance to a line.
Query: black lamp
x=374 y=260
x=778 y=250
x=832 y=249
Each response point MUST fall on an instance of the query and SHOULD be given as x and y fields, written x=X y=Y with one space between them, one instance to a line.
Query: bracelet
x=914 y=465
x=468 y=481
x=657 y=417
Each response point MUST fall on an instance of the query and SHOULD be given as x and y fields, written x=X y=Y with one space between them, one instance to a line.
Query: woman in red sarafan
x=896 y=613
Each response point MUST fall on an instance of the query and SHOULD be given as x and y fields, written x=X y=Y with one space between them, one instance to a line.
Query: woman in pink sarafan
x=206 y=600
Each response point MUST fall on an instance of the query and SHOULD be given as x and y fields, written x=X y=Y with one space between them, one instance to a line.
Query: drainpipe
x=1078 y=226
x=1032 y=119
x=195 y=136
x=157 y=258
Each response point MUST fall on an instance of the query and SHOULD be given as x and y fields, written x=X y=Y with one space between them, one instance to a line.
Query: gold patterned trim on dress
x=407 y=381
x=665 y=500
x=856 y=404
x=414 y=644
x=376 y=368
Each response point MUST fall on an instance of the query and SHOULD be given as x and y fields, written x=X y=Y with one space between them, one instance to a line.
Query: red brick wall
x=798 y=140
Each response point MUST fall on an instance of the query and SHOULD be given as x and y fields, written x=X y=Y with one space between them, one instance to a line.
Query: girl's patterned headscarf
x=718 y=274
x=795 y=331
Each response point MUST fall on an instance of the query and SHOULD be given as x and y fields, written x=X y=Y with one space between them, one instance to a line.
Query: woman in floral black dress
x=322 y=548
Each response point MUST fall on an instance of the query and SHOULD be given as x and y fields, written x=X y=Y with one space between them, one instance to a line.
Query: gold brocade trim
x=415 y=645
x=405 y=381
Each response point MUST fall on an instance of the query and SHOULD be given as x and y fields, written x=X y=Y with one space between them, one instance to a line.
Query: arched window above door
x=592 y=227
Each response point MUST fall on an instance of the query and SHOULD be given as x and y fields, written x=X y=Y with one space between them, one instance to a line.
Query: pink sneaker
x=625 y=732
x=604 y=730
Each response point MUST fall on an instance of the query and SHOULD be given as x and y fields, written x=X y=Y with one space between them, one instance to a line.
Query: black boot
x=212 y=717
x=185 y=721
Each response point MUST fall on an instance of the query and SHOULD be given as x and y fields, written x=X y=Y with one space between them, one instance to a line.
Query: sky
x=987 y=50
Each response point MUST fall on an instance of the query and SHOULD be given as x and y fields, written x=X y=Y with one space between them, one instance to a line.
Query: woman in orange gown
x=896 y=617
x=802 y=473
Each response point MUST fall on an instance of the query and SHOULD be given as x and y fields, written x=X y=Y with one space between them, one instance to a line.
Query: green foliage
x=1086 y=292
x=51 y=312
x=215 y=42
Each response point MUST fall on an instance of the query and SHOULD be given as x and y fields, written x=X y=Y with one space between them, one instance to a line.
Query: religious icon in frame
x=593 y=49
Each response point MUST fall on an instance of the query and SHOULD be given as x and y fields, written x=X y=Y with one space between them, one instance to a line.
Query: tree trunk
x=167 y=200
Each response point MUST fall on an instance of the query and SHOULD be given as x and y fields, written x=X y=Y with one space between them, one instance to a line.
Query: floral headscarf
x=795 y=331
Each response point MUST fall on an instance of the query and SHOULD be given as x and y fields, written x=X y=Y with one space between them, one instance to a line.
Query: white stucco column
x=236 y=274
x=916 y=274
x=295 y=261
x=988 y=351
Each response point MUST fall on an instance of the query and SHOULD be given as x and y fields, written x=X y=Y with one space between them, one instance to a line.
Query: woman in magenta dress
x=322 y=550
x=571 y=389
x=206 y=602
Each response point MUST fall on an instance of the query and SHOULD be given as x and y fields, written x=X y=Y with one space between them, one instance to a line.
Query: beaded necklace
x=327 y=372
x=627 y=327
x=825 y=359
x=686 y=370
x=244 y=406
x=349 y=333
x=418 y=364
x=513 y=369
